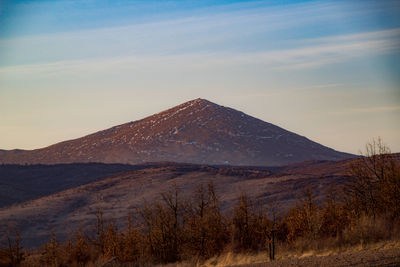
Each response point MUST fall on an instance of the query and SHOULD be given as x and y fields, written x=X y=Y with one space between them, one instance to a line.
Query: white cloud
x=227 y=29
x=321 y=52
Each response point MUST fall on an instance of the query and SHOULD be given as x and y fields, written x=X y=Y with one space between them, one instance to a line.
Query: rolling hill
x=19 y=183
x=123 y=192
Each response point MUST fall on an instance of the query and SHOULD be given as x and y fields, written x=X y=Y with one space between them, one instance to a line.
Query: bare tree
x=13 y=253
x=375 y=181
x=205 y=227
x=304 y=219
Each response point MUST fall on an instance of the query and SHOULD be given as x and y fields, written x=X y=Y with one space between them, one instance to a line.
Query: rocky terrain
x=197 y=131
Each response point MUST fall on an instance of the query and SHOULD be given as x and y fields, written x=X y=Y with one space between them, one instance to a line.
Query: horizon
x=326 y=70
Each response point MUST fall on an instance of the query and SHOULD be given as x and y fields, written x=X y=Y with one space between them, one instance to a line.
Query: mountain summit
x=196 y=131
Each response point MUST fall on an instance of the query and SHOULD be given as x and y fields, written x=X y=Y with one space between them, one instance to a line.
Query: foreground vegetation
x=172 y=229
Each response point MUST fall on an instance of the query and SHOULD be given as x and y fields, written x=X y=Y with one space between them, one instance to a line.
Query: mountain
x=197 y=131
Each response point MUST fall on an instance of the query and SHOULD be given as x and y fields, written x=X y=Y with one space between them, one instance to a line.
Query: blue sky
x=328 y=70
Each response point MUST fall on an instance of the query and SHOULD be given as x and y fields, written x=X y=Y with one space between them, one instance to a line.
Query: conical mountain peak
x=190 y=106
x=197 y=131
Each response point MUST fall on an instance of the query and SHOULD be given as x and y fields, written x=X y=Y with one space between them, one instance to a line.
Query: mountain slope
x=197 y=131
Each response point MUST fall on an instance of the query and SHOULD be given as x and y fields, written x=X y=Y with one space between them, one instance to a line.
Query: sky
x=327 y=70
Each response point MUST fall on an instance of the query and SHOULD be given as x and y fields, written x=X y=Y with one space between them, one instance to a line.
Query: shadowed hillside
x=120 y=194
x=21 y=183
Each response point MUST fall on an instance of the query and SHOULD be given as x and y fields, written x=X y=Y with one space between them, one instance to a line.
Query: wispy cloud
x=366 y=110
x=247 y=28
x=326 y=51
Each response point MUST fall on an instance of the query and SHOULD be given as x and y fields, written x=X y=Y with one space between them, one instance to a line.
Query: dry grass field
x=385 y=254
